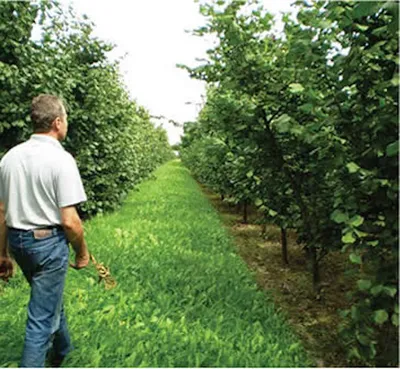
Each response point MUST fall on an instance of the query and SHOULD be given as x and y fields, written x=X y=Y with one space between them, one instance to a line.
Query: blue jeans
x=44 y=263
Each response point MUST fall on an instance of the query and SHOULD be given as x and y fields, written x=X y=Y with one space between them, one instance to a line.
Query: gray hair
x=44 y=109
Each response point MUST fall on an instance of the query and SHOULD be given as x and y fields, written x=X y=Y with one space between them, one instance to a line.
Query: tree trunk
x=263 y=230
x=222 y=197
x=284 y=246
x=296 y=187
x=245 y=212
x=315 y=270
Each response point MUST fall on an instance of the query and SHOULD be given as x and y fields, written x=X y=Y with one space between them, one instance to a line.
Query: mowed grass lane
x=183 y=298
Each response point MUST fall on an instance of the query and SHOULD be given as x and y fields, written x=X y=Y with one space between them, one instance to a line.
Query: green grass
x=184 y=297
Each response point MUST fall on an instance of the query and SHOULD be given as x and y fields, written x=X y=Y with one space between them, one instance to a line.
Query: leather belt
x=36 y=229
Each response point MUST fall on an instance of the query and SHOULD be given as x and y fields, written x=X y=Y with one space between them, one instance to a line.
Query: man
x=39 y=188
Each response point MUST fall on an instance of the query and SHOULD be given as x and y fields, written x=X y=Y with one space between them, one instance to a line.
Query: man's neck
x=48 y=134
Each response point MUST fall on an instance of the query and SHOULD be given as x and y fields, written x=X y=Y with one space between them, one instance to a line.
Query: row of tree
x=111 y=137
x=304 y=125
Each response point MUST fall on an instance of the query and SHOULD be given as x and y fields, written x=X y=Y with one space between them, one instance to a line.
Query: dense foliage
x=183 y=298
x=111 y=137
x=304 y=125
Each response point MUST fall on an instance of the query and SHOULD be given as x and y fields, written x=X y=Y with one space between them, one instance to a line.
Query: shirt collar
x=47 y=139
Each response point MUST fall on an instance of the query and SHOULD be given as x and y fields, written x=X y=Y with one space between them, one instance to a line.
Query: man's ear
x=56 y=125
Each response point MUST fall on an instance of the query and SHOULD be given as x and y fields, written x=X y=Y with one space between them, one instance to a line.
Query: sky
x=152 y=37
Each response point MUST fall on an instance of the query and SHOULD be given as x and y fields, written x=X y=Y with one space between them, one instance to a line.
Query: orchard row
x=304 y=125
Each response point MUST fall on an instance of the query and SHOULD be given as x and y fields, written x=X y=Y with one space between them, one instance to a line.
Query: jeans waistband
x=58 y=227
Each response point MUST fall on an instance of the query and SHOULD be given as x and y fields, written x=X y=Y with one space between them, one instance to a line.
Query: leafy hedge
x=305 y=126
x=111 y=137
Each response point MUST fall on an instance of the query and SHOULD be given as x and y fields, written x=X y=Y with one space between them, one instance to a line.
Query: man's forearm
x=3 y=239
x=3 y=231
x=75 y=236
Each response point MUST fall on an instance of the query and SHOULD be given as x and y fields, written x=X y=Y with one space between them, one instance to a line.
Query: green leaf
x=395 y=80
x=348 y=237
x=241 y=127
x=325 y=23
x=18 y=123
x=395 y=319
x=376 y=290
x=250 y=173
x=392 y=149
x=306 y=108
x=272 y=213
x=360 y=234
x=380 y=31
x=339 y=217
x=355 y=313
x=391 y=291
x=365 y=8
x=355 y=258
x=363 y=339
x=356 y=221
x=296 y=88
x=282 y=123
x=354 y=353
x=364 y=284
x=352 y=167
x=297 y=129
x=361 y=27
x=381 y=316
x=258 y=202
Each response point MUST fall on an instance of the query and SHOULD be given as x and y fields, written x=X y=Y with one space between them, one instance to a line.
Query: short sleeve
x=69 y=186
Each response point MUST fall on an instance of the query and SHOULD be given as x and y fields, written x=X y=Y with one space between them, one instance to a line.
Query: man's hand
x=81 y=261
x=6 y=268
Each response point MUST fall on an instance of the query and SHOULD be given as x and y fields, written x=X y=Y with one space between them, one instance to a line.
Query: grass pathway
x=183 y=299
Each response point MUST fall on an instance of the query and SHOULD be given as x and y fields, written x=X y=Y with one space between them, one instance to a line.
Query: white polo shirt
x=37 y=178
